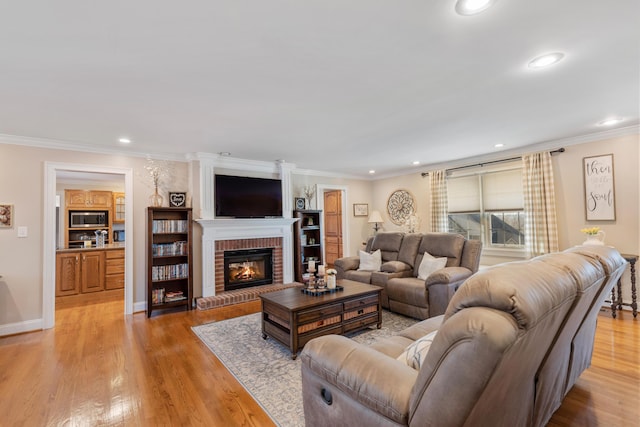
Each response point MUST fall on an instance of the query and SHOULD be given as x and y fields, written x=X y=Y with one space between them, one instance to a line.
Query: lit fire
x=244 y=271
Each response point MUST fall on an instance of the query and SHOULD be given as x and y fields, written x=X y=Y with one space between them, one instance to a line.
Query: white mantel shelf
x=250 y=228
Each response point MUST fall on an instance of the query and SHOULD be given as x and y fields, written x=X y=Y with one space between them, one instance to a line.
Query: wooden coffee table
x=293 y=317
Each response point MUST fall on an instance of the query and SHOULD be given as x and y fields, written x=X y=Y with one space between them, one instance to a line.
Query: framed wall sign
x=360 y=209
x=178 y=200
x=599 y=188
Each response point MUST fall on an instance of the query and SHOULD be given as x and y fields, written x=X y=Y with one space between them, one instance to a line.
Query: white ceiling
x=342 y=86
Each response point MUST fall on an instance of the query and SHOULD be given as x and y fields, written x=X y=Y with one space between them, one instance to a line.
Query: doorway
x=332 y=226
x=336 y=232
x=49 y=233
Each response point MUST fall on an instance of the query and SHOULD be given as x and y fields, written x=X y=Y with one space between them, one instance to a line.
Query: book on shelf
x=174 y=296
x=170 y=226
x=157 y=296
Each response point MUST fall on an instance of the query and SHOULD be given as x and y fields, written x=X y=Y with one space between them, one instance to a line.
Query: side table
x=616 y=303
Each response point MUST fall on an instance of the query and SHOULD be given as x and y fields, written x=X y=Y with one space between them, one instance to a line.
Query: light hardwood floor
x=98 y=367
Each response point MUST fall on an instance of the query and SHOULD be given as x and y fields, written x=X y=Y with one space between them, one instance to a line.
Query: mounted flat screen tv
x=245 y=197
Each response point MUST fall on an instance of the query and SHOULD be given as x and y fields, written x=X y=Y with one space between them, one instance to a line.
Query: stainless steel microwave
x=79 y=219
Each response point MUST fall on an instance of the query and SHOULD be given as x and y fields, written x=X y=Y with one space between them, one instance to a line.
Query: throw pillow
x=370 y=262
x=430 y=264
x=416 y=352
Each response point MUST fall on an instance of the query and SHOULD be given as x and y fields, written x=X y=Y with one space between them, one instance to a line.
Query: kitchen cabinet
x=118 y=208
x=89 y=270
x=67 y=273
x=88 y=199
x=92 y=271
x=114 y=278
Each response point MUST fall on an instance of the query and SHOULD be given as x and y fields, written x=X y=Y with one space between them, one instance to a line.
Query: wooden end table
x=616 y=303
x=292 y=317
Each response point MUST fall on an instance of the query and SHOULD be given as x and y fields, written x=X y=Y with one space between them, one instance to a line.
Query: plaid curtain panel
x=438 y=182
x=541 y=227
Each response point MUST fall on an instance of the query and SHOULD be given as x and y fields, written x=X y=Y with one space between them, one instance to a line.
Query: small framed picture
x=299 y=203
x=360 y=209
x=6 y=216
x=178 y=199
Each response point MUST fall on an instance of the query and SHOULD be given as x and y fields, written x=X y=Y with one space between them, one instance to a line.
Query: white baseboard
x=21 y=327
x=139 y=306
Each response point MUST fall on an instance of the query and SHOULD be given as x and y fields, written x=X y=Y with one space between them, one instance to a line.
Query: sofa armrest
x=442 y=284
x=395 y=267
x=345 y=264
x=448 y=275
x=360 y=373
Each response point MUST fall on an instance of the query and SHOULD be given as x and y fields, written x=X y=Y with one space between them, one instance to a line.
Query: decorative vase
x=595 y=239
x=331 y=281
x=156 y=199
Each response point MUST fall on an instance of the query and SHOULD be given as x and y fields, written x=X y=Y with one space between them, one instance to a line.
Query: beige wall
x=21 y=178
x=21 y=259
x=417 y=186
x=623 y=233
x=358 y=191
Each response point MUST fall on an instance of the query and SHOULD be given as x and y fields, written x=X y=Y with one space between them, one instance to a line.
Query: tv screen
x=245 y=197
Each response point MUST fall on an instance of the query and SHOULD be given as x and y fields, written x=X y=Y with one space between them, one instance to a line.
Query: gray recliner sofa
x=511 y=344
x=403 y=292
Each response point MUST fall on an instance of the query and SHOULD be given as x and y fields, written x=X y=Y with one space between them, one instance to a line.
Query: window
x=488 y=206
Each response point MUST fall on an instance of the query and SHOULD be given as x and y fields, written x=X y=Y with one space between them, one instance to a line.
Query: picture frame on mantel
x=599 y=188
x=360 y=209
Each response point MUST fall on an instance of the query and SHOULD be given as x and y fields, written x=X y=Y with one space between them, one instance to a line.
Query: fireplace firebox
x=247 y=268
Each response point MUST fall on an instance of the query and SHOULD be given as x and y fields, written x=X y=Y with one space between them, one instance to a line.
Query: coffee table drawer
x=314 y=314
x=361 y=322
x=277 y=332
x=361 y=302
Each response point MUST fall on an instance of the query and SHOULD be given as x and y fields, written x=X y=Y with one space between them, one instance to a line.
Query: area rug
x=265 y=367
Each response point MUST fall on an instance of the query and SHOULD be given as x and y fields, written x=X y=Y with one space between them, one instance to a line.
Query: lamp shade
x=375 y=217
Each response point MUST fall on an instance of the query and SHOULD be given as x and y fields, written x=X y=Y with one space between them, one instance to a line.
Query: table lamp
x=376 y=219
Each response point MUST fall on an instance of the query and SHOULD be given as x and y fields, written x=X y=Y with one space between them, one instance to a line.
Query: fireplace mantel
x=231 y=229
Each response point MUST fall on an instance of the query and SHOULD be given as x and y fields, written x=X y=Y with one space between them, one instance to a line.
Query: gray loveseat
x=512 y=343
x=403 y=292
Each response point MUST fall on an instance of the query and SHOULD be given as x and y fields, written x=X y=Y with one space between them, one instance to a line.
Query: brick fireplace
x=236 y=245
x=219 y=235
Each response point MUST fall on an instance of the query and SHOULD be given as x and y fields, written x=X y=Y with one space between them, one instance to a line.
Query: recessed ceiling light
x=499 y=145
x=546 y=60
x=471 y=7
x=416 y=162
x=610 y=122
x=372 y=171
x=124 y=140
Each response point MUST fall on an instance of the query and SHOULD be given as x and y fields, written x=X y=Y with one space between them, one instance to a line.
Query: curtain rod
x=559 y=150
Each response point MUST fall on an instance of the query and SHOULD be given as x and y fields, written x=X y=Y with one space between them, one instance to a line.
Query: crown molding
x=56 y=144
x=541 y=146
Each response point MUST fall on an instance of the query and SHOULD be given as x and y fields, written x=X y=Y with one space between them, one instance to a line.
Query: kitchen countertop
x=107 y=247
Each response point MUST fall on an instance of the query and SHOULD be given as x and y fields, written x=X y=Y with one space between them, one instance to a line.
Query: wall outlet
x=23 y=231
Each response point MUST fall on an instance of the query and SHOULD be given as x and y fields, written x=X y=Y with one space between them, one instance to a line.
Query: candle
x=312 y=265
x=321 y=269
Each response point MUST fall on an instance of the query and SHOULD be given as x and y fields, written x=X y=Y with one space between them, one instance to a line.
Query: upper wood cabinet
x=118 y=208
x=88 y=199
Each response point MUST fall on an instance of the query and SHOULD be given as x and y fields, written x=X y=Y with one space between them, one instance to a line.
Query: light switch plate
x=23 y=231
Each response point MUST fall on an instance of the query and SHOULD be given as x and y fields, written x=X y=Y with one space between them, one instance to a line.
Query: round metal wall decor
x=401 y=206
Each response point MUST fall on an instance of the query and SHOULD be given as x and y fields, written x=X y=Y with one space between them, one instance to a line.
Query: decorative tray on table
x=322 y=291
